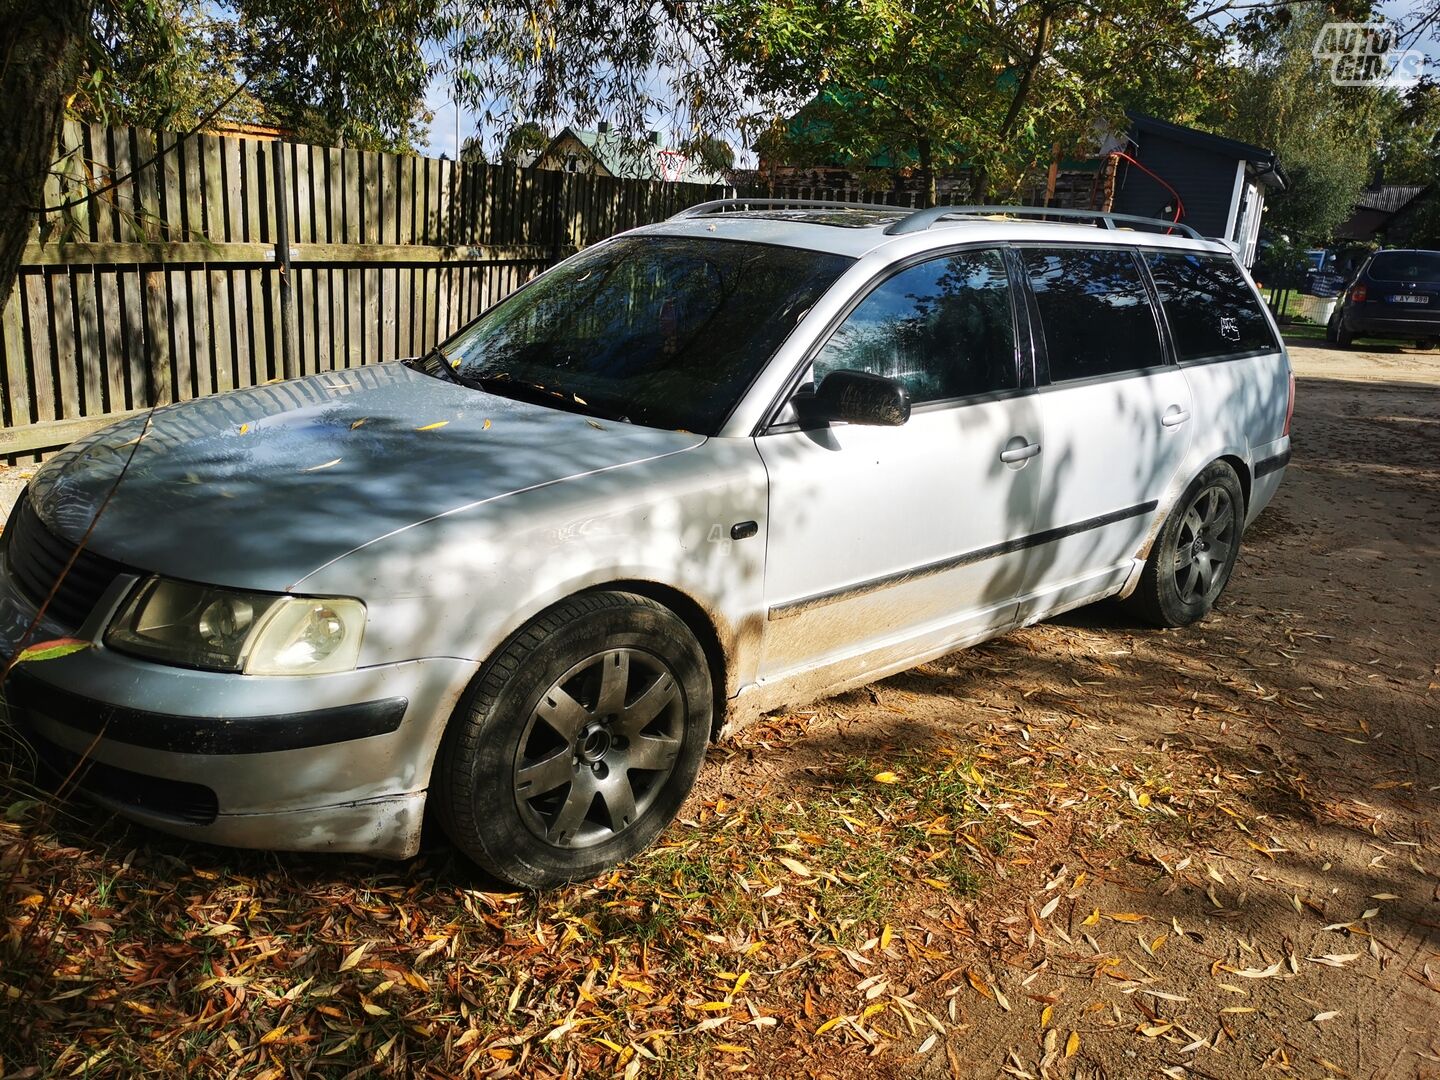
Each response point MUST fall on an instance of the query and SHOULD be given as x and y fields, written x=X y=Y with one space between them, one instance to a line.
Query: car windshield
x=663 y=331
x=1418 y=266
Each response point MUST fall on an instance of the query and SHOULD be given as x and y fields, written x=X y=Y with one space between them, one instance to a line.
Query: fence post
x=281 y=189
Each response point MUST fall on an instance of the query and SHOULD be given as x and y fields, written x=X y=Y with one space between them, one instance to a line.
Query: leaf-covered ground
x=1085 y=849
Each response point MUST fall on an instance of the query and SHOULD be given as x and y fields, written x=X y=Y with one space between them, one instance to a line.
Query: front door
x=885 y=542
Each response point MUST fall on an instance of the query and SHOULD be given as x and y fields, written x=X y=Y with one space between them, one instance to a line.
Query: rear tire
x=1192 y=558
x=578 y=742
x=1344 y=338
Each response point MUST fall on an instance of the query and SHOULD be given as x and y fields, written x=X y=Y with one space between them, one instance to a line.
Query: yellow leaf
x=828 y=1024
x=1126 y=916
x=357 y=423
x=1093 y=918
x=1045 y=1015
x=1238 y=1009
x=796 y=867
x=353 y=957
x=886 y=936
x=222 y=930
x=886 y=778
x=1072 y=1044
x=485 y=426
x=731 y=1048
x=432 y=427
x=273 y=1034
x=244 y=428
x=326 y=465
x=978 y=983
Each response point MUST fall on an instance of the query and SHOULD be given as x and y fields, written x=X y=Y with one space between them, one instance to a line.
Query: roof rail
x=923 y=219
x=719 y=206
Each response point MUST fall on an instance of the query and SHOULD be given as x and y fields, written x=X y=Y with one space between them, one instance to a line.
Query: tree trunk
x=927 y=171
x=42 y=49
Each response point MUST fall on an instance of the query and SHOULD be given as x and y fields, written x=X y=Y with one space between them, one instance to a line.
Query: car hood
x=260 y=487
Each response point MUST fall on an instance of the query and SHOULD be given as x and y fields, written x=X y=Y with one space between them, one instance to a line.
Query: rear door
x=1117 y=419
x=884 y=541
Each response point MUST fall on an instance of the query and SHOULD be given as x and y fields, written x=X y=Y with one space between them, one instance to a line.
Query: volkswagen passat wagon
x=699 y=471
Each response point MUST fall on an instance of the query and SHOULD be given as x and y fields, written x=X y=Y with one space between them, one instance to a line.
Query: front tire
x=1192 y=558
x=578 y=742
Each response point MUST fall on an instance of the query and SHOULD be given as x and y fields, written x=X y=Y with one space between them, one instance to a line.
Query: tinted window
x=1211 y=308
x=662 y=331
x=1095 y=312
x=944 y=328
x=1417 y=266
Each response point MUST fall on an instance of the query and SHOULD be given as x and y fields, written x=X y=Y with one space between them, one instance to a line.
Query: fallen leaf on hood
x=327 y=465
x=432 y=427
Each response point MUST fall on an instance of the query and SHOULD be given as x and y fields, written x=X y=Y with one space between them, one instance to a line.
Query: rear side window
x=1421 y=267
x=1095 y=312
x=1210 y=306
x=944 y=328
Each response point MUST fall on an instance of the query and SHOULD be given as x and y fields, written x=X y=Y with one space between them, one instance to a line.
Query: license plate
x=1410 y=299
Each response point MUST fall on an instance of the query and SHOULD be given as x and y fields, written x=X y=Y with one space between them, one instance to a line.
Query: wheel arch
x=694 y=615
x=1242 y=471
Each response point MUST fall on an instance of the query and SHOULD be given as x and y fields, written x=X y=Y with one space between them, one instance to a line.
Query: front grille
x=37 y=557
x=178 y=800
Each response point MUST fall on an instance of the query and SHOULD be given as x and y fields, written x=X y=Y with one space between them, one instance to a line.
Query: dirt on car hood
x=261 y=486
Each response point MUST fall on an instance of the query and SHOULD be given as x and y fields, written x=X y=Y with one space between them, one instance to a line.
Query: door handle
x=1013 y=453
x=1174 y=416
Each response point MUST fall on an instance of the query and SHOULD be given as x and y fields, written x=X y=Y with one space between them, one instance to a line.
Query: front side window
x=944 y=328
x=1210 y=306
x=1095 y=312
x=664 y=331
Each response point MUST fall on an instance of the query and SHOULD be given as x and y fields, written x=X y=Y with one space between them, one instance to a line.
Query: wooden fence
x=168 y=285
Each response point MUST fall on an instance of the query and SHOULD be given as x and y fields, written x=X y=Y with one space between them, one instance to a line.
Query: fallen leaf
x=1335 y=959
x=326 y=465
x=1072 y=1044
x=797 y=868
x=1320 y=1018
x=353 y=957
x=886 y=778
x=432 y=427
x=52 y=650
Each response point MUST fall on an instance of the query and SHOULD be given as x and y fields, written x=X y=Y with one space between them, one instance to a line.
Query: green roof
x=638 y=162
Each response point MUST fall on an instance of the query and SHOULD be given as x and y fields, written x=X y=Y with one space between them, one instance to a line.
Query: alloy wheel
x=598 y=747
x=1204 y=545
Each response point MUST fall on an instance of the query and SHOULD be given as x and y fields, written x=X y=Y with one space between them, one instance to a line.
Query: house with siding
x=1211 y=183
x=607 y=153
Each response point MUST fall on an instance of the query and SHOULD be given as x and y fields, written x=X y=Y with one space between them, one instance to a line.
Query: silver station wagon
x=710 y=468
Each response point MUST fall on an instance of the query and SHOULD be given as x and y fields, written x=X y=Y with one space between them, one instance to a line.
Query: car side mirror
x=858 y=397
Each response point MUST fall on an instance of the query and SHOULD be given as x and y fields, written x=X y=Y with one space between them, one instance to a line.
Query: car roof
x=857 y=231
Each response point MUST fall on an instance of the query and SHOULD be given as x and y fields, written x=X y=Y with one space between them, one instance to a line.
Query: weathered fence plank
x=166 y=287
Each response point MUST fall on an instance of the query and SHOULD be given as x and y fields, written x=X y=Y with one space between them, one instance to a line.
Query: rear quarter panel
x=1239 y=408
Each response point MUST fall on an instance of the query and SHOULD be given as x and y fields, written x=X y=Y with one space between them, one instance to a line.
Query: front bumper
x=325 y=763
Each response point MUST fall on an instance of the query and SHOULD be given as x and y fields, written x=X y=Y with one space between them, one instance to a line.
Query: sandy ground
x=1223 y=857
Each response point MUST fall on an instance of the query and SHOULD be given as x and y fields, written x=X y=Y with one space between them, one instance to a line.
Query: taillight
x=1358 y=294
x=1290 y=406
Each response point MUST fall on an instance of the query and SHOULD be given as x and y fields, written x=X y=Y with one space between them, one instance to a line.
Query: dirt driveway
x=1082 y=850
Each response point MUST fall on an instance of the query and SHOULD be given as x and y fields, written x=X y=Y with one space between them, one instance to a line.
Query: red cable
x=1179 y=203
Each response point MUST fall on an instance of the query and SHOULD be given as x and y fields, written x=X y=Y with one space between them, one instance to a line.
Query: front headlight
x=225 y=630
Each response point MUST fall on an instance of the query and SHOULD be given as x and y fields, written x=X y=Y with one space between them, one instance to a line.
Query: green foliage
x=528 y=137
x=1282 y=98
x=349 y=73
x=928 y=83
x=715 y=155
